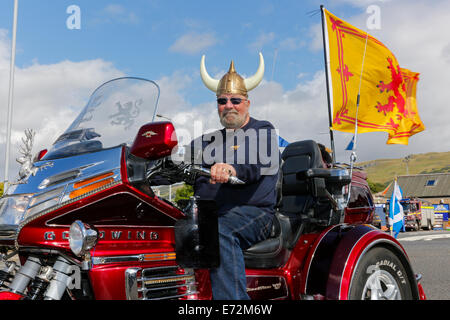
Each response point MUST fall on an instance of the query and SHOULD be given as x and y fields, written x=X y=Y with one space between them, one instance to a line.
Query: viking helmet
x=232 y=82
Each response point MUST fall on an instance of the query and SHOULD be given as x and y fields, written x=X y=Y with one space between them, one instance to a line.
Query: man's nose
x=229 y=105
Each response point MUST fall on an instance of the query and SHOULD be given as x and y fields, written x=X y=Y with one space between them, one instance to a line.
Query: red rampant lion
x=397 y=99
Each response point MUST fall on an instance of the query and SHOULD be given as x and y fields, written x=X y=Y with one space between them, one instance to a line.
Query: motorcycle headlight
x=82 y=238
x=12 y=208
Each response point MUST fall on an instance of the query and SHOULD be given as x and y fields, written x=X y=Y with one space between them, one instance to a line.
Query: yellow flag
x=361 y=63
x=411 y=78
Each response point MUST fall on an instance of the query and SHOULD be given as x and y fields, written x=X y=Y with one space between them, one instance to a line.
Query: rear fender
x=336 y=255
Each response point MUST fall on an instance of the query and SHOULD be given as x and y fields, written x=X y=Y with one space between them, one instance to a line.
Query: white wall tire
x=380 y=275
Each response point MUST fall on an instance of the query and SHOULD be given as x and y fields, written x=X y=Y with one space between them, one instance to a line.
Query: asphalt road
x=429 y=253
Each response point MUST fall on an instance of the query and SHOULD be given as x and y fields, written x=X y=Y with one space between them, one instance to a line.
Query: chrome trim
x=60 y=178
x=35 y=250
x=139 y=284
x=418 y=277
x=8 y=233
x=89 y=239
x=131 y=281
x=36 y=216
x=145 y=257
x=42 y=197
x=281 y=278
x=71 y=169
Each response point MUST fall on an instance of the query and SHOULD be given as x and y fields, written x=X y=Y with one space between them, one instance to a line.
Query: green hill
x=384 y=170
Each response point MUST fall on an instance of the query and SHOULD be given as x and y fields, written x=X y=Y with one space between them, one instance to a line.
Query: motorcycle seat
x=271 y=244
x=294 y=202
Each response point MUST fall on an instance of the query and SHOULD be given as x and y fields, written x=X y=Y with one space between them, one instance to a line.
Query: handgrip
x=207 y=173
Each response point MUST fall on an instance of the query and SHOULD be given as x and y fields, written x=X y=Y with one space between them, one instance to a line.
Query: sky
x=65 y=49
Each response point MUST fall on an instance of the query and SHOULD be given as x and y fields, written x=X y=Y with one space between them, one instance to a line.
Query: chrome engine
x=36 y=281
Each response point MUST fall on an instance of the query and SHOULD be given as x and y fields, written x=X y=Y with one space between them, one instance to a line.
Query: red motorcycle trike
x=84 y=223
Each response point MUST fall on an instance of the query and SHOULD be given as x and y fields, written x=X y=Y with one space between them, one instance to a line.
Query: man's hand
x=220 y=172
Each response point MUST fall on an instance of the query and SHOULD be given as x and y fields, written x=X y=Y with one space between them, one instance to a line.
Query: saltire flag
x=396 y=210
x=282 y=143
x=351 y=144
x=359 y=62
x=410 y=79
x=383 y=193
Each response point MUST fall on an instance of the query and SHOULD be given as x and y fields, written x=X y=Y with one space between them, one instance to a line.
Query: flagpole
x=355 y=136
x=325 y=56
x=10 y=96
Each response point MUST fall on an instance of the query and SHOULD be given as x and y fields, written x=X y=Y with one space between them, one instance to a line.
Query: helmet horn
x=209 y=82
x=253 y=81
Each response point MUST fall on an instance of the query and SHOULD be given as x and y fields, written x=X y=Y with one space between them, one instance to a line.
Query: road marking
x=426 y=237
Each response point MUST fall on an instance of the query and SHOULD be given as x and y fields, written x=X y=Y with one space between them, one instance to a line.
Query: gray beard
x=235 y=123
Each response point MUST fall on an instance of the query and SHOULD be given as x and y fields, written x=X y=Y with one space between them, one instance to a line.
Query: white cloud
x=117 y=13
x=266 y=9
x=316 y=43
x=193 y=42
x=114 y=9
x=292 y=43
x=359 y=3
x=262 y=40
x=46 y=98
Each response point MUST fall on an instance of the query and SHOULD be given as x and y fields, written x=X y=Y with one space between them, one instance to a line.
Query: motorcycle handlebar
x=207 y=173
x=166 y=169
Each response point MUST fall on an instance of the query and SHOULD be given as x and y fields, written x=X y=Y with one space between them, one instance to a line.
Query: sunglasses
x=234 y=101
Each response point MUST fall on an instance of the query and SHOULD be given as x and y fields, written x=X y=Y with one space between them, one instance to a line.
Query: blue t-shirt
x=253 y=152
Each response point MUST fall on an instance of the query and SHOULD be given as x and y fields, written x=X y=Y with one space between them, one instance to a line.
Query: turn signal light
x=40 y=155
x=88 y=185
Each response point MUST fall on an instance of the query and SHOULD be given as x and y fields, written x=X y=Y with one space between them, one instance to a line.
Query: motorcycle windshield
x=112 y=116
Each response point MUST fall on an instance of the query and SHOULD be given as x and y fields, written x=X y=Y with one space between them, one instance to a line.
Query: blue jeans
x=239 y=228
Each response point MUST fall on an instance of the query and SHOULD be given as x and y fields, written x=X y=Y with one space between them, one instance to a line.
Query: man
x=380 y=211
x=246 y=148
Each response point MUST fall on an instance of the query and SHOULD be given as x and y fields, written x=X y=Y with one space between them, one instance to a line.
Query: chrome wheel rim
x=381 y=285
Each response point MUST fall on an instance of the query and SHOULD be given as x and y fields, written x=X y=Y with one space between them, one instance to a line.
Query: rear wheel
x=380 y=275
x=417 y=226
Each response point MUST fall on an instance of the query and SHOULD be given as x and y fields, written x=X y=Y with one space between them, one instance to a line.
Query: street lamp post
x=10 y=95
x=406 y=161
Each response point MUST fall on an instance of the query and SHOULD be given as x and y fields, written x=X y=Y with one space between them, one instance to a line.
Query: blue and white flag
x=282 y=143
x=396 y=211
x=351 y=144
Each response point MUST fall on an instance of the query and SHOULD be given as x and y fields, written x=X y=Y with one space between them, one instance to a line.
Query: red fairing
x=361 y=206
x=10 y=296
x=422 y=294
x=154 y=140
